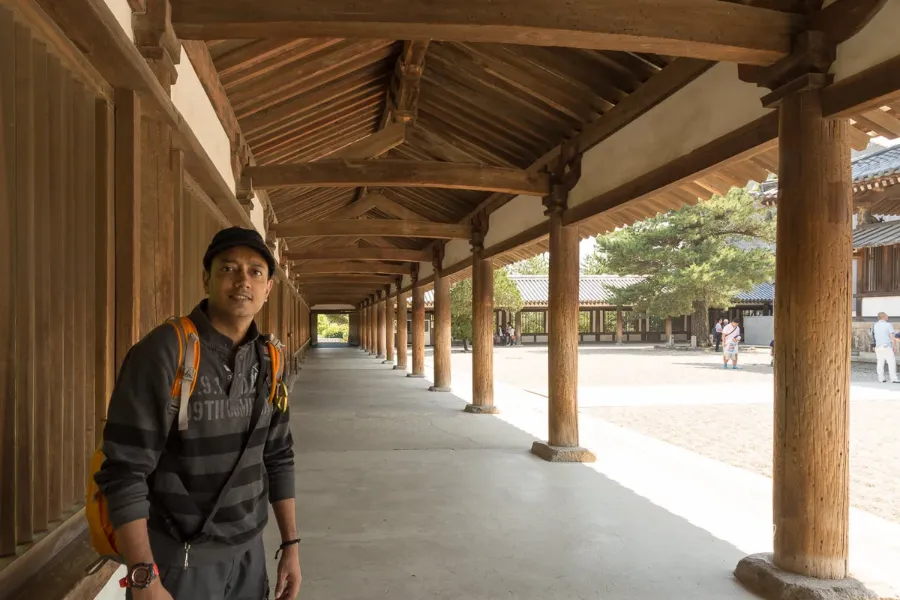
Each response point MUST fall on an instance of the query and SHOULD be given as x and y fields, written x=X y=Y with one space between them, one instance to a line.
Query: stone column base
x=399 y=367
x=561 y=454
x=438 y=389
x=477 y=409
x=387 y=362
x=381 y=356
x=416 y=375
x=759 y=574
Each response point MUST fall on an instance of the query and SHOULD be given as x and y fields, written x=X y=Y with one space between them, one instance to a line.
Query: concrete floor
x=400 y=494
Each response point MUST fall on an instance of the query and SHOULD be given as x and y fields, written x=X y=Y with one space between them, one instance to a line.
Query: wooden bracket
x=564 y=176
x=806 y=68
x=480 y=225
x=155 y=39
x=414 y=274
x=438 y=260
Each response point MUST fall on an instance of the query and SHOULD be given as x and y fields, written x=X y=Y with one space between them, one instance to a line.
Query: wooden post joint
x=399 y=285
x=564 y=176
x=437 y=260
x=480 y=225
x=806 y=68
x=414 y=274
x=155 y=39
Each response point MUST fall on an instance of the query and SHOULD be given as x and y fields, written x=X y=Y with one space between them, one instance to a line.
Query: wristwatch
x=140 y=576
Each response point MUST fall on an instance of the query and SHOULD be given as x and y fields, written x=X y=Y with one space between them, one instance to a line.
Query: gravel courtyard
x=688 y=399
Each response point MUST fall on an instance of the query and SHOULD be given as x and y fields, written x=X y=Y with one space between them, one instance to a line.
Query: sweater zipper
x=187 y=548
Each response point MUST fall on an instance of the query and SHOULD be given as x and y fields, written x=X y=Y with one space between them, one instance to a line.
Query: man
x=186 y=528
x=731 y=337
x=717 y=335
x=884 y=335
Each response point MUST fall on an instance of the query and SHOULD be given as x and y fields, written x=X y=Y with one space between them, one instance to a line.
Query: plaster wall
x=456 y=251
x=122 y=12
x=517 y=215
x=714 y=104
x=874 y=44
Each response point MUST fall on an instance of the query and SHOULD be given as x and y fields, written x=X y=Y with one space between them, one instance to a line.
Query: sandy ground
x=688 y=399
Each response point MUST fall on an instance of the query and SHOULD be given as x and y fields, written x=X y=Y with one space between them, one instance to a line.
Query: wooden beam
x=373 y=254
x=843 y=19
x=407 y=77
x=365 y=227
x=351 y=267
x=669 y=80
x=399 y=173
x=737 y=145
x=867 y=90
x=375 y=145
x=393 y=208
x=727 y=32
x=338 y=279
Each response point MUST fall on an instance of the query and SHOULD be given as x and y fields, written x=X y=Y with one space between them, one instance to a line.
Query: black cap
x=238 y=236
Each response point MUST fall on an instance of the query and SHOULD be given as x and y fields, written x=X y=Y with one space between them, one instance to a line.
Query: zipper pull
x=187 y=548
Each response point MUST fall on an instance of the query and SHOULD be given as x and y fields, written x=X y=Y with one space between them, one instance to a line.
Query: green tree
x=536 y=265
x=691 y=259
x=506 y=297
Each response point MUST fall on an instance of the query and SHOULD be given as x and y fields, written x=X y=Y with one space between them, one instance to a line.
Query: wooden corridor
x=381 y=156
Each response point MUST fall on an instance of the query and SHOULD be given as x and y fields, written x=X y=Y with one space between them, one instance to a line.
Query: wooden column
x=418 y=327
x=669 y=340
x=388 y=308
x=128 y=221
x=401 y=327
x=441 y=333
x=619 y=334
x=518 y=328
x=381 y=314
x=562 y=359
x=373 y=326
x=812 y=375
x=482 y=323
x=812 y=328
x=364 y=327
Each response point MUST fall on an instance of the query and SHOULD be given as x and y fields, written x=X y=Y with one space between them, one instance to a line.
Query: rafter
x=399 y=173
x=351 y=267
x=345 y=278
x=374 y=254
x=375 y=145
x=377 y=227
x=726 y=31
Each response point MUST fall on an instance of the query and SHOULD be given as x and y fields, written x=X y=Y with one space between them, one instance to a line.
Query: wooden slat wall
x=50 y=368
x=100 y=241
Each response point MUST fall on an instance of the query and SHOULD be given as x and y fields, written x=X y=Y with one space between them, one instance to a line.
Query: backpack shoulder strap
x=277 y=395
x=189 y=364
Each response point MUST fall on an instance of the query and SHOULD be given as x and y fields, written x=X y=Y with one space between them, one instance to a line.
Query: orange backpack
x=103 y=537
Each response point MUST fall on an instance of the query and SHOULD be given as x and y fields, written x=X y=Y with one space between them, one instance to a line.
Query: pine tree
x=691 y=259
x=506 y=297
x=536 y=265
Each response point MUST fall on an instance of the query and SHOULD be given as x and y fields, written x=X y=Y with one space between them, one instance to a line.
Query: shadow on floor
x=401 y=494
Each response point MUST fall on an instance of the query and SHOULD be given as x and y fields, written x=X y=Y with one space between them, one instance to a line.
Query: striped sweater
x=153 y=471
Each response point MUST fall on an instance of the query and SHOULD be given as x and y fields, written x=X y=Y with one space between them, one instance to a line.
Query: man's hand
x=155 y=591
x=289 y=577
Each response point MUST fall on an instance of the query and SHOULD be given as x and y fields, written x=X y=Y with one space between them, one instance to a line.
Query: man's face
x=238 y=283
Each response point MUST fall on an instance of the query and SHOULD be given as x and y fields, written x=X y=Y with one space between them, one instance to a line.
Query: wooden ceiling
x=479 y=104
x=458 y=126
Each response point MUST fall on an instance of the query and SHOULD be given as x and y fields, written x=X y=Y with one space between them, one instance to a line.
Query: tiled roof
x=597 y=290
x=876 y=166
x=593 y=289
x=764 y=292
x=871 y=167
x=877 y=234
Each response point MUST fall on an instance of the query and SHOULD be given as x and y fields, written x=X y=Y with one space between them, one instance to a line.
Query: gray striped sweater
x=173 y=478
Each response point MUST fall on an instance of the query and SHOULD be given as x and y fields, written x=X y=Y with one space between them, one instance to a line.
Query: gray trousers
x=242 y=578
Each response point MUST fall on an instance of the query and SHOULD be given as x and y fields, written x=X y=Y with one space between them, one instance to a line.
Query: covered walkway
x=401 y=494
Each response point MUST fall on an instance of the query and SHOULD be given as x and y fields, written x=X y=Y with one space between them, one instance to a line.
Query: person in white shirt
x=731 y=336
x=884 y=335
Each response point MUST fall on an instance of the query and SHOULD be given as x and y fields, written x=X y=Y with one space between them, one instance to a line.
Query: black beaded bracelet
x=285 y=545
